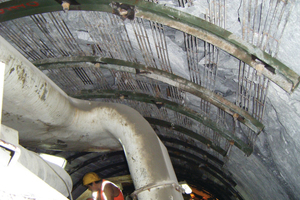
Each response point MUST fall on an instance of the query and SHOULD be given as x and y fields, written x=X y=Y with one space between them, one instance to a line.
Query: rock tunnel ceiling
x=209 y=96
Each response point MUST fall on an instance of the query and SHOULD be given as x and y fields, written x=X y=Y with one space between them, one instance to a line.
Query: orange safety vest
x=103 y=197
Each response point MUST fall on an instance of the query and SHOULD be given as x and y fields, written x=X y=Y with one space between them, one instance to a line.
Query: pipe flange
x=162 y=185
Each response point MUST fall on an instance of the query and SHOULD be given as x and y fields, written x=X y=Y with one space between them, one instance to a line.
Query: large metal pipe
x=45 y=116
x=53 y=175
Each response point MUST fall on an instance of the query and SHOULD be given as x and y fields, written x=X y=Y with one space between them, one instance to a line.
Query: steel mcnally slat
x=141 y=35
x=170 y=105
x=166 y=77
x=270 y=67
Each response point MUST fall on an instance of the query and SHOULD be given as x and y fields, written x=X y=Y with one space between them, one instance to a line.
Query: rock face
x=271 y=171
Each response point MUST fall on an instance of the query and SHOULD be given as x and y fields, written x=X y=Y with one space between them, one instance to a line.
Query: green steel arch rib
x=175 y=107
x=190 y=133
x=269 y=66
x=171 y=79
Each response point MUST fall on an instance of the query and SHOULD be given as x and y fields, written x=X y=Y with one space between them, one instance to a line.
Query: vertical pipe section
x=2 y=69
x=34 y=104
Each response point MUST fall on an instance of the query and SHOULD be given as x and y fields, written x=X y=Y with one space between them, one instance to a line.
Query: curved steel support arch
x=75 y=156
x=118 y=153
x=191 y=147
x=161 y=137
x=193 y=160
x=217 y=190
x=270 y=67
x=198 y=137
x=224 y=180
x=172 y=106
x=207 y=166
x=94 y=159
x=227 y=182
x=79 y=182
x=160 y=75
x=170 y=150
x=112 y=174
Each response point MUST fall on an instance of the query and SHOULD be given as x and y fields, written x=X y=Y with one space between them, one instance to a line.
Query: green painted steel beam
x=116 y=94
x=185 y=131
x=209 y=168
x=163 y=76
x=168 y=138
x=267 y=65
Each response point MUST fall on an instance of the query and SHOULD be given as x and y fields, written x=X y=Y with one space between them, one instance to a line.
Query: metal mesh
x=126 y=82
x=143 y=42
x=185 y=3
x=54 y=28
x=193 y=57
x=161 y=46
x=29 y=49
x=203 y=66
x=216 y=13
x=106 y=35
x=52 y=35
x=263 y=22
x=251 y=96
x=252 y=91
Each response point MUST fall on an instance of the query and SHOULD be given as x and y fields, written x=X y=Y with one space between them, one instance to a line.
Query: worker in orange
x=192 y=196
x=106 y=190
